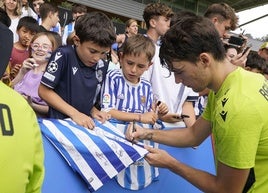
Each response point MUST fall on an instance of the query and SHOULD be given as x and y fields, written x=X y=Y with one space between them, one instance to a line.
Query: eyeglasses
x=44 y=47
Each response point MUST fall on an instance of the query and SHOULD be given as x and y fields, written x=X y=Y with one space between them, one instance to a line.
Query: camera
x=236 y=41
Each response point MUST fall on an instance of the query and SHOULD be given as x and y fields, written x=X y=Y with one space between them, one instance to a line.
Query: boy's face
x=25 y=36
x=134 y=66
x=223 y=27
x=161 y=24
x=54 y=18
x=89 y=52
x=77 y=14
x=36 y=5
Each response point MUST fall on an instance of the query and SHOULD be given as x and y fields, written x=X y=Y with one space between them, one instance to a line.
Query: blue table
x=60 y=178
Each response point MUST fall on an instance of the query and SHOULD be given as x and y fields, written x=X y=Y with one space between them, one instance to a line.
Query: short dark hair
x=254 y=60
x=45 y=8
x=224 y=12
x=79 y=9
x=179 y=15
x=29 y=23
x=188 y=38
x=95 y=27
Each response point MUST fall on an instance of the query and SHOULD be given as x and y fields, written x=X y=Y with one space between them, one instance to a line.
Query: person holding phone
x=224 y=18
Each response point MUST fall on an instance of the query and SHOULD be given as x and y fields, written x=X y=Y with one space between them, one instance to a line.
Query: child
x=77 y=11
x=28 y=79
x=73 y=78
x=128 y=97
x=26 y=29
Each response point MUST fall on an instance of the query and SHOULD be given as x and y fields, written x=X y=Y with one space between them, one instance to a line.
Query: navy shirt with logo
x=75 y=83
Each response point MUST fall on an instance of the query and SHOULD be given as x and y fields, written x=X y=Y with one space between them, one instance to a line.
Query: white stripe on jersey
x=97 y=155
x=125 y=96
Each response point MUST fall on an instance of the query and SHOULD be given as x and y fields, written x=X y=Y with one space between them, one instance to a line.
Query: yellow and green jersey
x=238 y=114
x=21 y=154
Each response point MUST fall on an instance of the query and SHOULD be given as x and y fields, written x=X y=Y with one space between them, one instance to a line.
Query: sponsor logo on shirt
x=74 y=70
x=49 y=76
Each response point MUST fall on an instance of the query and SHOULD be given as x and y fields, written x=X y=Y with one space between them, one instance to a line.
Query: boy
x=73 y=78
x=236 y=112
x=128 y=97
x=157 y=17
x=26 y=29
x=36 y=5
x=77 y=11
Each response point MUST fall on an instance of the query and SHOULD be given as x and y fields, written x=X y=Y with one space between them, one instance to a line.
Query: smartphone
x=246 y=49
x=238 y=41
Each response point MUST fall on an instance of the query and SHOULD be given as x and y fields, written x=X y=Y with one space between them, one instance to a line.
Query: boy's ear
x=152 y=22
x=76 y=40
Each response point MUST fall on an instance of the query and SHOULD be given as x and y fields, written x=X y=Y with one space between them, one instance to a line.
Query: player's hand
x=159 y=158
x=139 y=133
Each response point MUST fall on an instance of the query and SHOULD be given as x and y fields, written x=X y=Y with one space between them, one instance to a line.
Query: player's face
x=191 y=75
x=134 y=66
x=90 y=53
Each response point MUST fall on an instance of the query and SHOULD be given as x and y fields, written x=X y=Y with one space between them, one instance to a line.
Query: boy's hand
x=171 y=118
x=162 y=109
x=149 y=117
x=240 y=59
x=83 y=120
x=100 y=115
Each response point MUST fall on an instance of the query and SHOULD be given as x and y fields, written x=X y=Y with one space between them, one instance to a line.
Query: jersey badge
x=106 y=99
x=143 y=100
x=52 y=67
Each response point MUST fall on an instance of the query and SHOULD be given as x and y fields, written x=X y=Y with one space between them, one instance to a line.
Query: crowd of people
x=184 y=74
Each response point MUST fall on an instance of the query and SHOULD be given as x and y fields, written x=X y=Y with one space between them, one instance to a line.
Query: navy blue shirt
x=75 y=83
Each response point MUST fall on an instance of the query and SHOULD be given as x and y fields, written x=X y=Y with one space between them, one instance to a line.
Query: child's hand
x=102 y=116
x=162 y=109
x=149 y=117
x=83 y=120
x=6 y=79
x=28 y=64
x=171 y=118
